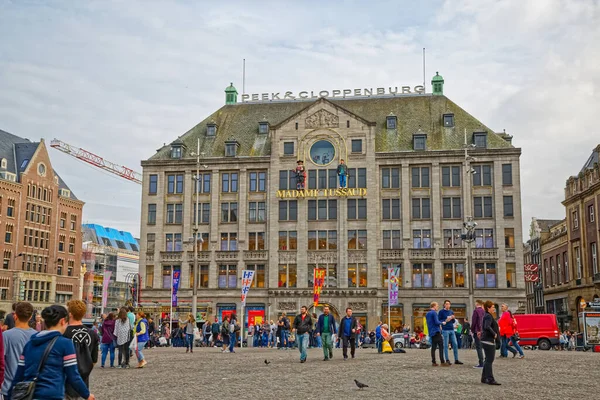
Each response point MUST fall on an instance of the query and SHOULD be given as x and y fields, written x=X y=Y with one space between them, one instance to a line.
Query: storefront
x=225 y=310
x=254 y=314
x=396 y=320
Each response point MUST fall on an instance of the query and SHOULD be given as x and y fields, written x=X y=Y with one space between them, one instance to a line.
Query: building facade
x=418 y=167
x=109 y=251
x=40 y=227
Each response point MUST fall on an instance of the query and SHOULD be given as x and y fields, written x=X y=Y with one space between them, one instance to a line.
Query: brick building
x=40 y=227
x=411 y=185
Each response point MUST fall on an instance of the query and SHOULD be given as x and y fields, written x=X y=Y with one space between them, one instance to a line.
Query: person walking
x=233 y=330
x=406 y=336
x=85 y=342
x=61 y=364
x=215 y=329
x=448 y=332
x=14 y=341
x=206 y=329
x=302 y=325
x=273 y=335
x=378 y=337
x=466 y=334
x=476 y=328
x=508 y=325
x=108 y=340
x=284 y=325
x=189 y=325
x=434 y=325
x=225 y=338
x=141 y=332
x=325 y=330
x=123 y=334
x=347 y=333
x=489 y=336
x=9 y=319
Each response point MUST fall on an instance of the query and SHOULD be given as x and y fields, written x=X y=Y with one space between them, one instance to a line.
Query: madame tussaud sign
x=345 y=192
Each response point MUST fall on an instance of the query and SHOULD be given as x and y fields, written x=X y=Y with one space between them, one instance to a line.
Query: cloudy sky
x=121 y=78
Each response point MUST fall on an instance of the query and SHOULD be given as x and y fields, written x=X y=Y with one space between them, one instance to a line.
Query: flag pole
x=389 y=301
x=171 y=312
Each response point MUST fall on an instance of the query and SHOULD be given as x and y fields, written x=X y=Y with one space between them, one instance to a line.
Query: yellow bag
x=386 y=348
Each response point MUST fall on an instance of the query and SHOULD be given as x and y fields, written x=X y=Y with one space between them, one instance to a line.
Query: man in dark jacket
x=476 y=329
x=325 y=329
x=347 y=333
x=215 y=330
x=302 y=325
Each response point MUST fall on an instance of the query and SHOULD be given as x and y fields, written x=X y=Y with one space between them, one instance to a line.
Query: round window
x=322 y=152
x=41 y=169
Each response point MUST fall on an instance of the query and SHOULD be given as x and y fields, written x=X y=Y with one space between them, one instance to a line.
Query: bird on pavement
x=360 y=385
x=267 y=362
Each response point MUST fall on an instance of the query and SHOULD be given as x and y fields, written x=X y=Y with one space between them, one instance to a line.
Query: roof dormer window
x=391 y=121
x=64 y=193
x=419 y=141
x=263 y=127
x=480 y=139
x=231 y=147
x=175 y=151
x=3 y=163
x=448 y=120
x=211 y=129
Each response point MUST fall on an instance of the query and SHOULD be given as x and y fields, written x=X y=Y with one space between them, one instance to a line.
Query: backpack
x=224 y=329
x=286 y=323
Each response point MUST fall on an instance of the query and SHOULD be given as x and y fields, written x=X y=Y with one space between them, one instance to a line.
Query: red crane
x=97 y=161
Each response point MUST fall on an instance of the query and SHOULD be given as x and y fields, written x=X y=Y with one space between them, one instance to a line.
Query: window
x=392 y=239
x=287 y=276
x=211 y=130
x=288 y=210
x=59 y=266
x=421 y=208
x=10 y=210
x=203 y=213
x=482 y=175
x=454 y=275
x=63 y=218
x=153 y=185
x=484 y=238
x=70 y=267
x=231 y=149
x=287 y=180
x=150 y=242
x=6 y=259
x=173 y=242
x=149 y=276
x=508 y=206
x=420 y=177
x=322 y=210
x=258 y=181
x=322 y=240
x=229 y=212
x=390 y=178
x=288 y=240
x=509 y=238
x=448 y=120
x=229 y=241
x=176 y=151
x=451 y=176
x=203 y=242
x=227 y=276
x=594 y=251
x=151 y=214
x=8 y=234
x=357 y=146
x=385 y=274
x=263 y=127
x=452 y=238
x=39 y=291
x=357 y=181
x=591 y=213
x=288 y=148
x=256 y=240
x=174 y=213
x=483 y=207
x=203 y=183
x=391 y=121
x=559 y=273
x=480 y=139
x=422 y=276
x=357 y=208
x=330 y=274
x=511 y=275
x=202 y=276
x=451 y=207
x=357 y=275
x=71 y=245
x=259 y=275
x=419 y=142
x=390 y=209
x=61 y=242
x=575 y=219
x=566 y=269
x=229 y=182
x=485 y=275
x=421 y=239
x=357 y=240
x=507 y=174
x=257 y=211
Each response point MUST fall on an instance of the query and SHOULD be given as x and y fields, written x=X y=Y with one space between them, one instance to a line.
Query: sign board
x=315 y=193
x=335 y=93
x=531 y=272
x=126 y=264
x=591 y=328
x=531 y=277
x=531 y=267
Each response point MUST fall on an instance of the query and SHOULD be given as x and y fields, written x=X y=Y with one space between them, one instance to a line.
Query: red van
x=538 y=330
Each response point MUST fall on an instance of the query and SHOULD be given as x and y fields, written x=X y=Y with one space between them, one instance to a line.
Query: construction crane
x=97 y=161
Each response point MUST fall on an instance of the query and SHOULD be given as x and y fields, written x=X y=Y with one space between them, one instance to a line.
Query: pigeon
x=360 y=385
x=267 y=362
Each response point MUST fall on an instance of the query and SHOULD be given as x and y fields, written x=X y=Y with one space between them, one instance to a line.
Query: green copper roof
x=437 y=78
x=230 y=88
x=424 y=112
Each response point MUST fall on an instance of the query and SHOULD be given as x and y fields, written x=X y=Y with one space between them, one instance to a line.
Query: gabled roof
x=593 y=159
x=413 y=112
x=7 y=149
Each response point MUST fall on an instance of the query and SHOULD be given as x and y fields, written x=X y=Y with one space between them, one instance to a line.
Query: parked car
x=538 y=330
x=398 y=340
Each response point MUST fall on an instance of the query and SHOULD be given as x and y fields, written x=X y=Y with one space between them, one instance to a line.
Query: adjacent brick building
x=40 y=227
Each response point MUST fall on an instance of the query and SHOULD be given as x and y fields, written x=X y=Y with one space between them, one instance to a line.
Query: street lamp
x=195 y=238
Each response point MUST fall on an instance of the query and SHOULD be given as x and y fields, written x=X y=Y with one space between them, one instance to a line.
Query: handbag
x=25 y=390
x=516 y=336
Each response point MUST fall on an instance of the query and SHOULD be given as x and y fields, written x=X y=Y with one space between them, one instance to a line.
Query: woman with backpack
x=225 y=333
x=108 y=340
x=189 y=325
x=234 y=329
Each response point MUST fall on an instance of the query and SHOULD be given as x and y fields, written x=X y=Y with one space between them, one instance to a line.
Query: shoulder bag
x=25 y=390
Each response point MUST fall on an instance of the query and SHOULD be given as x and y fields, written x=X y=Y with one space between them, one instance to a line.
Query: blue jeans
x=379 y=344
x=505 y=347
x=108 y=347
x=189 y=343
x=302 y=340
x=138 y=353
x=450 y=337
x=342 y=180
x=232 y=341
x=515 y=343
x=319 y=341
x=284 y=339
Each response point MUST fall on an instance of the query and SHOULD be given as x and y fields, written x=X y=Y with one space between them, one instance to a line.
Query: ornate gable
x=322 y=119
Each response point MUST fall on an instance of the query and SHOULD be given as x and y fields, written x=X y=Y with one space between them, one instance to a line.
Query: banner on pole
x=105 y=282
x=319 y=280
x=176 y=276
x=393 y=277
x=247 y=277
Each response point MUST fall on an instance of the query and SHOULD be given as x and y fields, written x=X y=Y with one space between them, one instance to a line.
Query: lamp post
x=469 y=224
x=198 y=183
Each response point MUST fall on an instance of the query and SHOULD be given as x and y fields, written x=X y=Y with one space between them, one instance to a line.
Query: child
x=300 y=175
x=342 y=171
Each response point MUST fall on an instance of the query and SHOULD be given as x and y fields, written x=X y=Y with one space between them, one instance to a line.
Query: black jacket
x=303 y=326
x=353 y=325
x=86 y=344
x=490 y=329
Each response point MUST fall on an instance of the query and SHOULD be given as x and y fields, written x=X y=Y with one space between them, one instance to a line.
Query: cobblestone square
x=208 y=374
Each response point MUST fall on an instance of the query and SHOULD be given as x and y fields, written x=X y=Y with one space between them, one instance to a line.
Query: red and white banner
x=319 y=280
x=532 y=272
